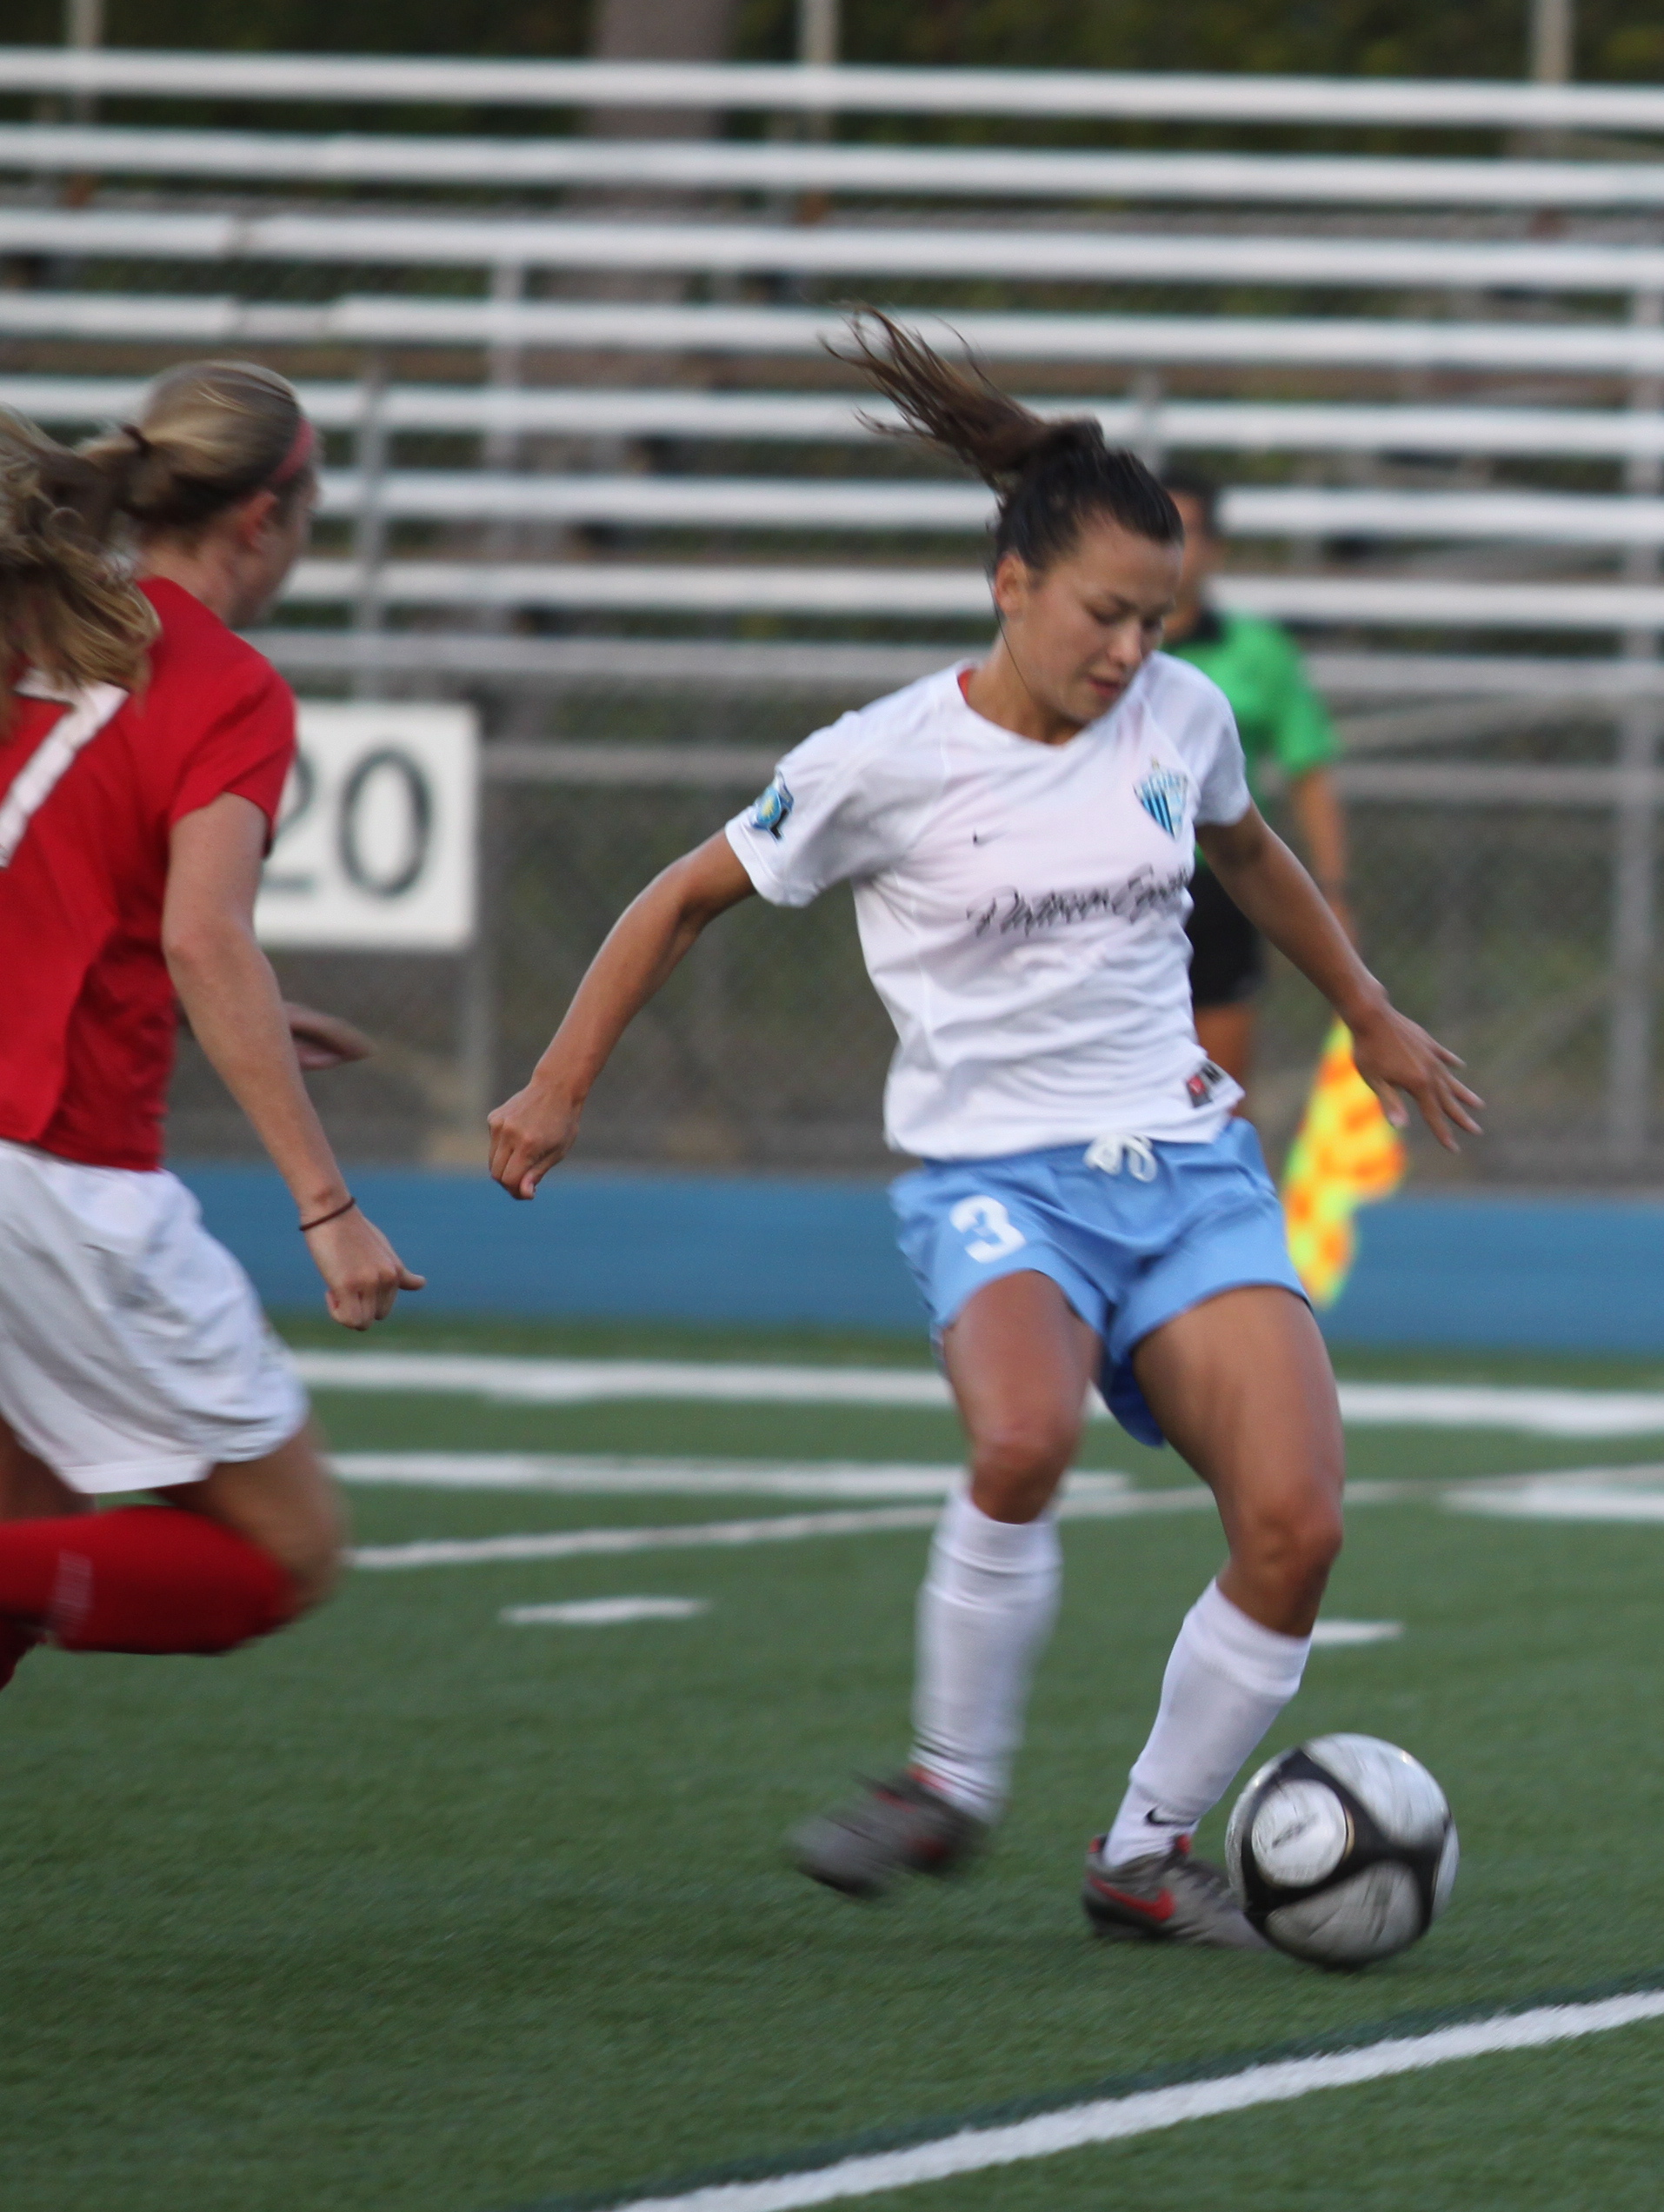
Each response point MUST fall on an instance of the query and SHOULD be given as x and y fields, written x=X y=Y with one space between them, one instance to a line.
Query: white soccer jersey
x=1021 y=906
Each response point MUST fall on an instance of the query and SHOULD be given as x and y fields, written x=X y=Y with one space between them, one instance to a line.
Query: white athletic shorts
x=133 y=1351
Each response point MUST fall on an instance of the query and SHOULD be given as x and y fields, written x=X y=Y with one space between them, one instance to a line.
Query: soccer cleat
x=897 y=1826
x=1171 y=1899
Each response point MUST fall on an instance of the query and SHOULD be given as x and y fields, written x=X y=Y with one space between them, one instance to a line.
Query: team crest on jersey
x=772 y=808
x=1162 y=796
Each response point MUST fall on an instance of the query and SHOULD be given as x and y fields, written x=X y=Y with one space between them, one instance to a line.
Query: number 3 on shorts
x=996 y=1233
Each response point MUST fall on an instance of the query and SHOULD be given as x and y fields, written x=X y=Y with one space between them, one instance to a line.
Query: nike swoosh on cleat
x=1156 y=1908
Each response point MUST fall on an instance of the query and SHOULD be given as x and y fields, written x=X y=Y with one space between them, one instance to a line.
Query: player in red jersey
x=143 y=750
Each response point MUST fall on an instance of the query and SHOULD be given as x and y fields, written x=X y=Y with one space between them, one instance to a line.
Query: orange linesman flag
x=1345 y=1154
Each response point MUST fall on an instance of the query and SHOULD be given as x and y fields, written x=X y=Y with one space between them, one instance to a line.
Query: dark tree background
x=1616 y=38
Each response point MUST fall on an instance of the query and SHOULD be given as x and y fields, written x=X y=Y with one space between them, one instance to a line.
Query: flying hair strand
x=1049 y=476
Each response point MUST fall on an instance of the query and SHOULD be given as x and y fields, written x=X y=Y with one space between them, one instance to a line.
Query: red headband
x=299 y=457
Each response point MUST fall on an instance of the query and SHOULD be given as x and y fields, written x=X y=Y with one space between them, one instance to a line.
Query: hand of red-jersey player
x=362 y=1272
x=227 y=989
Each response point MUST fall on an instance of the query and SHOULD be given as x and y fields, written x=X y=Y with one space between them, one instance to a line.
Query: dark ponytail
x=1049 y=477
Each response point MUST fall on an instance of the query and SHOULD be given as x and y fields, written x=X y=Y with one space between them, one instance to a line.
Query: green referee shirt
x=1257 y=666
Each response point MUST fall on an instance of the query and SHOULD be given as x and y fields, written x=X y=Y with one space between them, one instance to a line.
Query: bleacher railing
x=1420 y=103
x=588 y=456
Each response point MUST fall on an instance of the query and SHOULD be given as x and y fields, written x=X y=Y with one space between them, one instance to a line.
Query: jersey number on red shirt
x=51 y=760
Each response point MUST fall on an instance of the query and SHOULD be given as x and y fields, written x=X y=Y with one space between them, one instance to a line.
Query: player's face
x=1081 y=630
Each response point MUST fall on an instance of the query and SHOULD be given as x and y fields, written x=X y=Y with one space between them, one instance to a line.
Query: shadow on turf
x=1115 y=2085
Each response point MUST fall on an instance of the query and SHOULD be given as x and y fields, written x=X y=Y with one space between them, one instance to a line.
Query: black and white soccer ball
x=1342 y=1850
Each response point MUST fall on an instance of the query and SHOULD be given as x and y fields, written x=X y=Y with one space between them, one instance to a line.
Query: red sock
x=141 y=1578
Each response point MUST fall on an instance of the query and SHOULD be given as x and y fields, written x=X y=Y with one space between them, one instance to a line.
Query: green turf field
x=409 y=1910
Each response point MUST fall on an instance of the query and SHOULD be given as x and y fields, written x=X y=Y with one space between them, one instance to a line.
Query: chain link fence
x=1501 y=925
x=1504 y=847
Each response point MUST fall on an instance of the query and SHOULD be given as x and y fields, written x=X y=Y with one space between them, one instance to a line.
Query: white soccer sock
x=1226 y=1682
x=985 y=1610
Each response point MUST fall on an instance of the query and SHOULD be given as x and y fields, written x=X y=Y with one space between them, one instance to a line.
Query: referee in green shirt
x=1283 y=723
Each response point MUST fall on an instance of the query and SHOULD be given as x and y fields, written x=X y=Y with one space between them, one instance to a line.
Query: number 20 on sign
x=376 y=845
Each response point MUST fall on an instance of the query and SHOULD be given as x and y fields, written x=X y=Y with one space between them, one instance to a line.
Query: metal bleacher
x=583 y=425
x=719 y=274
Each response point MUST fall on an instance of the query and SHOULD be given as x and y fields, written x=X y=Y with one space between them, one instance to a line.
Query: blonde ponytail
x=68 y=606
x=207 y=437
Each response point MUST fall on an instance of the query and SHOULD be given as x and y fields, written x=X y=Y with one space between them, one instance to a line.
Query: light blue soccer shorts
x=1170 y=1226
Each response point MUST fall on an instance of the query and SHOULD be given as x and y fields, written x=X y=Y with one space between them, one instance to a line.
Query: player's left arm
x=226 y=984
x=324 y=1039
x=1396 y=1056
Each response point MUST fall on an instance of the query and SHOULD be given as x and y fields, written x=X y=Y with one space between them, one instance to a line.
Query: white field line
x=614 y=1475
x=608 y=1475
x=775 y=1528
x=1106 y=2120
x=604 y=1612
x=1531 y=1413
x=1634 y=1494
x=1089 y=1498
x=581 y=1382
x=622 y=1475
x=588 y=1382
x=581 y=1543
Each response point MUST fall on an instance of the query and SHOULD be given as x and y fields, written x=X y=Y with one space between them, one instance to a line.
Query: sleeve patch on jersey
x=772 y=808
x=1200 y=1087
x=1162 y=796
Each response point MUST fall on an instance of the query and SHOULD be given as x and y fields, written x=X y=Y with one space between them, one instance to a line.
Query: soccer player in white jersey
x=1019 y=834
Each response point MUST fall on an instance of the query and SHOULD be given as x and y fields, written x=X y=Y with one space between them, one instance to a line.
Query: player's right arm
x=237 y=1012
x=536 y=1129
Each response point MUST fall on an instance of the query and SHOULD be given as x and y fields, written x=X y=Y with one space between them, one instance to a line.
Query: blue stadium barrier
x=1539 y=1274
x=1534 y=1273
x=716 y=1248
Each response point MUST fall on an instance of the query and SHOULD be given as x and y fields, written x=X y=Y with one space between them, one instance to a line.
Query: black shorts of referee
x=1227 y=952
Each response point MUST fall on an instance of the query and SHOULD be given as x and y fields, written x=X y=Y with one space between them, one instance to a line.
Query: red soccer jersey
x=89 y=792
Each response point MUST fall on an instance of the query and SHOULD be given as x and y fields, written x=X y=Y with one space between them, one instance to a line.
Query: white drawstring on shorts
x=1109 y=1154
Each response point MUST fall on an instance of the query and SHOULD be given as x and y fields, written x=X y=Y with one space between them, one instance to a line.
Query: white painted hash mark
x=1338 y=1634
x=1531 y=1413
x=620 y=1475
x=580 y=1543
x=604 y=1612
x=582 y=1382
x=1634 y=1494
x=1116 y=2119
x=774 y=1528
